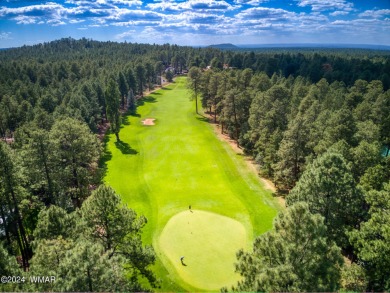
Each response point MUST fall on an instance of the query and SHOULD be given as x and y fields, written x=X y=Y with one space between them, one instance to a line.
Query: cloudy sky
x=197 y=22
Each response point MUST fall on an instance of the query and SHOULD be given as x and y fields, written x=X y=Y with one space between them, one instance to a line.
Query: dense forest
x=317 y=124
x=326 y=148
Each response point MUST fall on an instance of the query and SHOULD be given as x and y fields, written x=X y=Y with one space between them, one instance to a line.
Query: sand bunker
x=148 y=121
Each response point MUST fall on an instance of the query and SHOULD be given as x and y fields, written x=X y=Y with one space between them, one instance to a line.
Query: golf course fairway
x=200 y=198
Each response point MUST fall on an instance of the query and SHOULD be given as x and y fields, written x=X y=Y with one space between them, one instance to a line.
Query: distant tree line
x=70 y=76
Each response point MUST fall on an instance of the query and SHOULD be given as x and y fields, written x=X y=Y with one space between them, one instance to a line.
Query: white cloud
x=55 y=22
x=201 y=5
x=250 y=2
x=321 y=5
x=23 y=19
x=337 y=13
x=5 y=36
x=127 y=2
x=31 y=10
x=90 y=3
x=265 y=13
x=76 y=21
x=125 y=35
x=375 y=13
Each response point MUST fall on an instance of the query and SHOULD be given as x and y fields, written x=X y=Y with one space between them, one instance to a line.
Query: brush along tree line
x=55 y=96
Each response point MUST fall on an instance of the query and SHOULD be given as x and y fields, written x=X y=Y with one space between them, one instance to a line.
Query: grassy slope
x=160 y=170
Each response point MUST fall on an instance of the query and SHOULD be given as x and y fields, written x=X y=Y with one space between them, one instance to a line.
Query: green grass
x=160 y=170
x=189 y=233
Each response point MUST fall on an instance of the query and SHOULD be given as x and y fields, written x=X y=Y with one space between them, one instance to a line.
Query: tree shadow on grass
x=203 y=118
x=125 y=120
x=166 y=88
x=148 y=99
x=125 y=148
x=105 y=157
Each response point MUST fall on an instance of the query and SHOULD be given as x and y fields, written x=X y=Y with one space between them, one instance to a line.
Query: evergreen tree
x=194 y=84
x=372 y=240
x=112 y=107
x=353 y=278
x=123 y=88
x=118 y=229
x=86 y=267
x=12 y=194
x=9 y=267
x=54 y=222
x=294 y=257
x=38 y=162
x=327 y=185
x=140 y=74
x=76 y=152
x=268 y=120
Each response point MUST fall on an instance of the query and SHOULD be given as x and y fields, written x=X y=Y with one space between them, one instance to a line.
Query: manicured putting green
x=208 y=242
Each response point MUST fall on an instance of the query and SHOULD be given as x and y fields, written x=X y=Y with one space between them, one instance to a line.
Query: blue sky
x=197 y=22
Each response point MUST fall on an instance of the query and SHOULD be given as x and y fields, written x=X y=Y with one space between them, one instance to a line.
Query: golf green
x=208 y=243
x=160 y=170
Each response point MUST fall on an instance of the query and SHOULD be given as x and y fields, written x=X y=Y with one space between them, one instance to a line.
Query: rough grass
x=160 y=170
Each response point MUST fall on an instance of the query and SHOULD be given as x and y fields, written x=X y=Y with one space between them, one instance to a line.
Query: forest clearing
x=177 y=163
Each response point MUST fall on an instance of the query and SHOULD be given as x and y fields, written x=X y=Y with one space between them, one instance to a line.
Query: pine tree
x=75 y=151
x=327 y=185
x=112 y=95
x=194 y=84
x=294 y=257
x=372 y=240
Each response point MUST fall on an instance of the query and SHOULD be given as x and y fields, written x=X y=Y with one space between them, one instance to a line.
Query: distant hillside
x=313 y=45
x=227 y=46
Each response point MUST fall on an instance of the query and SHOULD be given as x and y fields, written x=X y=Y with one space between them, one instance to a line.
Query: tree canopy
x=296 y=256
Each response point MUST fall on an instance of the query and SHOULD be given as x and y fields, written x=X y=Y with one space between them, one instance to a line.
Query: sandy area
x=148 y=121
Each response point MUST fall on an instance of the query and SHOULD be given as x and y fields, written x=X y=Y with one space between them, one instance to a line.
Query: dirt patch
x=148 y=121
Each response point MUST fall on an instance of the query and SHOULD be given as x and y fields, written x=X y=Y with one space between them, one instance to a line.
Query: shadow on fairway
x=125 y=120
x=166 y=89
x=106 y=156
x=125 y=148
x=203 y=118
x=148 y=99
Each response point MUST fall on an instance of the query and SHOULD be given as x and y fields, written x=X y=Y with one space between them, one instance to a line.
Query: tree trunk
x=117 y=136
x=235 y=121
x=196 y=103
x=25 y=248
x=22 y=251
x=3 y=219
x=49 y=183
x=89 y=281
x=215 y=113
